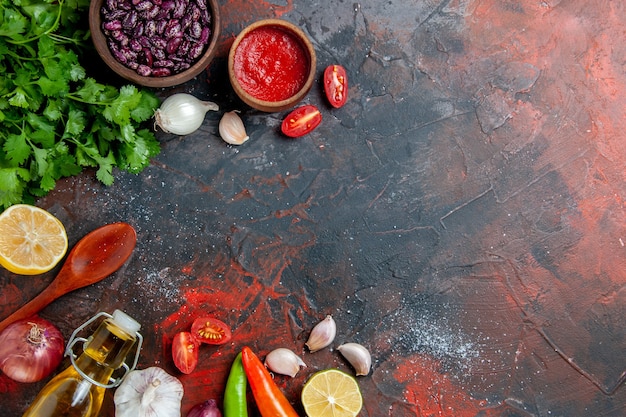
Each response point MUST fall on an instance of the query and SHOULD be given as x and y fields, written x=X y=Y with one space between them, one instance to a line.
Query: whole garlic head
x=150 y=392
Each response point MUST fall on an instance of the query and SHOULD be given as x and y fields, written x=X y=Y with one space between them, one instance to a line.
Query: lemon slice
x=32 y=241
x=331 y=393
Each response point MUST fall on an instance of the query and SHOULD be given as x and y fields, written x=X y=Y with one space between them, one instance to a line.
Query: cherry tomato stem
x=268 y=397
x=235 y=403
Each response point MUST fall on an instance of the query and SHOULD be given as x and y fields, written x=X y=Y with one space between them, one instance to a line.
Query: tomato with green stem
x=269 y=399
x=301 y=121
x=185 y=352
x=211 y=331
x=235 y=402
x=336 y=85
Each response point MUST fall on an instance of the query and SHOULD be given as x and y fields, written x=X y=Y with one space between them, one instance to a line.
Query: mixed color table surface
x=463 y=216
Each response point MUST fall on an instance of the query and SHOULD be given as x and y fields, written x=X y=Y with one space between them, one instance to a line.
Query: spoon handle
x=33 y=306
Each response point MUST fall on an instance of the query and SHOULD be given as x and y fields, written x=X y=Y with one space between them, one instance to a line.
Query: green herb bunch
x=54 y=119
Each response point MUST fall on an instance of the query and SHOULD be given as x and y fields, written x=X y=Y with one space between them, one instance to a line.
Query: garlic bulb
x=322 y=334
x=182 y=113
x=151 y=392
x=358 y=356
x=232 y=129
x=283 y=361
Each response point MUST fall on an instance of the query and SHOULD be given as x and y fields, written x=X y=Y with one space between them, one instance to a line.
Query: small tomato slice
x=210 y=330
x=301 y=121
x=336 y=85
x=185 y=352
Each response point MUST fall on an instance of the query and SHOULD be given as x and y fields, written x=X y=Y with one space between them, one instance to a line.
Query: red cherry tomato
x=185 y=352
x=301 y=121
x=210 y=330
x=336 y=85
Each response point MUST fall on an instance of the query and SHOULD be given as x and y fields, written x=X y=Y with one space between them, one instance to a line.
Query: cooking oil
x=79 y=390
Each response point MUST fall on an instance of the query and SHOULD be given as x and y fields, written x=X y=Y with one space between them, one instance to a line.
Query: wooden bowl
x=100 y=42
x=268 y=74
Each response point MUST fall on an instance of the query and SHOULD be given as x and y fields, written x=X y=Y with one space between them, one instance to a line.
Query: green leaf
x=17 y=148
x=90 y=91
x=19 y=98
x=146 y=107
x=13 y=24
x=75 y=124
x=12 y=185
x=41 y=160
x=52 y=88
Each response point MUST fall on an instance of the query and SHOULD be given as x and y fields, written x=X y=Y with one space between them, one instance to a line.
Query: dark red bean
x=138 y=30
x=124 y=5
x=158 y=53
x=150 y=14
x=183 y=49
x=161 y=72
x=179 y=10
x=195 y=30
x=172 y=29
x=151 y=29
x=161 y=25
x=159 y=43
x=156 y=37
x=196 y=50
x=130 y=20
x=135 y=45
x=173 y=44
x=112 y=25
x=168 y=5
x=166 y=63
x=144 y=5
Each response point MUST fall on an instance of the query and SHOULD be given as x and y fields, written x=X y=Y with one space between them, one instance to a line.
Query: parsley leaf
x=55 y=120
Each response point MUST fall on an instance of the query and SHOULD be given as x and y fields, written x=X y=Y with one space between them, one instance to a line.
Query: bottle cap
x=125 y=322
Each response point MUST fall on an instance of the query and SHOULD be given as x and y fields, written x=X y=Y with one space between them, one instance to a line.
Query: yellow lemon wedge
x=331 y=393
x=32 y=241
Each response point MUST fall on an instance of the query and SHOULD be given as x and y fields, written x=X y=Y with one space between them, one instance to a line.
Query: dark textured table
x=463 y=216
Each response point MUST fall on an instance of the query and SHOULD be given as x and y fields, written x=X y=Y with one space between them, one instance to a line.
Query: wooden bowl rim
x=265 y=105
x=99 y=41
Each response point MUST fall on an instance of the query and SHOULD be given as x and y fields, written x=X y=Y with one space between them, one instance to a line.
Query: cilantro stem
x=52 y=28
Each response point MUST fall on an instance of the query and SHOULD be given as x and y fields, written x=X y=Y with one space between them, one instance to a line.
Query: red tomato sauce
x=271 y=64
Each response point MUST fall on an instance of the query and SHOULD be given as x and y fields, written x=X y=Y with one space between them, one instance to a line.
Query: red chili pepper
x=268 y=397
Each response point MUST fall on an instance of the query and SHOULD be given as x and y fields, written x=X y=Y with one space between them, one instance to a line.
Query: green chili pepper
x=235 y=403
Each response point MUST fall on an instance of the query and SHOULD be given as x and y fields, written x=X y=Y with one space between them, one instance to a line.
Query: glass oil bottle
x=79 y=390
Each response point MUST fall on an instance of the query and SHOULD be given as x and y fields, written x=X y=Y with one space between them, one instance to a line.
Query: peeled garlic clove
x=322 y=334
x=283 y=361
x=232 y=129
x=358 y=356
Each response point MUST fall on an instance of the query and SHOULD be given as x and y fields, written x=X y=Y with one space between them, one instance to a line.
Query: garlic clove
x=231 y=129
x=322 y=334
x=358 y=356
x=283 y=361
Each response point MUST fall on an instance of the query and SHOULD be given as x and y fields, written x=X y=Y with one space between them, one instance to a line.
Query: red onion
x=205 y=409
x=30 y=349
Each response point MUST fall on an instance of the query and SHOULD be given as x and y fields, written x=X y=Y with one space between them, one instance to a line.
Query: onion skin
x=30 y=349
x=205 y=409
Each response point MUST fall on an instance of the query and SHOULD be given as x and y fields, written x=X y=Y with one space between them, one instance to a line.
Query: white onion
x=30 y=349
x=182 y=113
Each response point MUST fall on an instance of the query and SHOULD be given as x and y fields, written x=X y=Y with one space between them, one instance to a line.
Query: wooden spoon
x=93 y=258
